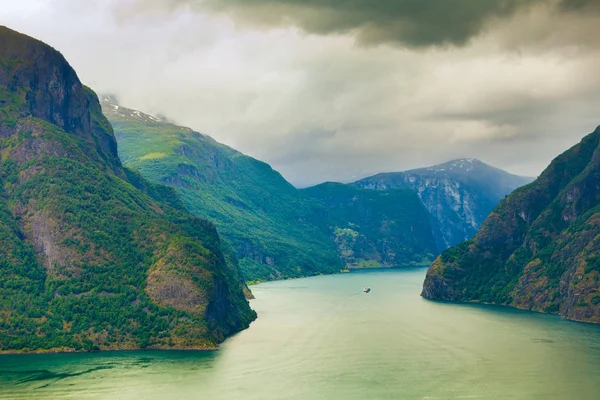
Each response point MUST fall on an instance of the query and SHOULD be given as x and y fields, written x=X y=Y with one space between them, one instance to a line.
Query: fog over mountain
x=340 y=90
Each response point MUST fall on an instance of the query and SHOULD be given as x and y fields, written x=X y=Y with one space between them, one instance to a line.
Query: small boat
x=367 y=289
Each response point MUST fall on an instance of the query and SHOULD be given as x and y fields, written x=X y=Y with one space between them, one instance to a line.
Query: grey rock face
x=458 y=194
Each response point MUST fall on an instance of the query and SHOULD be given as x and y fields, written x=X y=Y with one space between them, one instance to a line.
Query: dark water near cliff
x=321 y=338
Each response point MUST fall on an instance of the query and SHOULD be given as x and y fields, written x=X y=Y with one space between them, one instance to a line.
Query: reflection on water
x=322 y=338
x=49 y=376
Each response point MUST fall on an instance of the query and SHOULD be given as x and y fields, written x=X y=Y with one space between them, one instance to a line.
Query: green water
x=321 y=338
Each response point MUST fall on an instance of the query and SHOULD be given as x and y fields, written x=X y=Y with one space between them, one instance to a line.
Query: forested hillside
x=92 y=256
x=539 y=249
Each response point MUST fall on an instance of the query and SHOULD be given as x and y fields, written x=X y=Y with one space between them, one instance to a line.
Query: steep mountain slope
x=459 y=194
x=263 y=216
x=375 y=228
x=539 y=249
x=278 y=231
x=91 y=255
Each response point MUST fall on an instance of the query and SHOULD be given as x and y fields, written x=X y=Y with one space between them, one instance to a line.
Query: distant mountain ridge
x=540 y=247
x=459 y=194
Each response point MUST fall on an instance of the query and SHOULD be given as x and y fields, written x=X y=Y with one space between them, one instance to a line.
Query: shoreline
x=157 y=349
x=510 y=307
x=341 y=272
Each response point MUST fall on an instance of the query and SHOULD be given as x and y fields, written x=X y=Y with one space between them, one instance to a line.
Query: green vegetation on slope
x=539 y=249
x=263 y=216
x=376 y=228
x=91 y=257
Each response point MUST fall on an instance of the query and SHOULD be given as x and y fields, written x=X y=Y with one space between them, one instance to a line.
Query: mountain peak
x=109 y=99
x=460 y=164
x=111 y=107
x=41 y=83
x=38 y=84
x=460 y=168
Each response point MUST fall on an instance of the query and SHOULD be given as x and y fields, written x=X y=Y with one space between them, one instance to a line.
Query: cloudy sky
x=340 y=89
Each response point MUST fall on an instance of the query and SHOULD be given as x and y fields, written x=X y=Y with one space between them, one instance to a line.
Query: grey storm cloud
x=337 y=90
x=410 y=23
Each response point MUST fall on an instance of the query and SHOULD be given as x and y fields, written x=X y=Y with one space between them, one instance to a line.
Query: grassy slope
x=260 y=213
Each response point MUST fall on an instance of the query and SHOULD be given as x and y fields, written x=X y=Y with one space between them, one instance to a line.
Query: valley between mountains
x=123 y=230
x=279 y=231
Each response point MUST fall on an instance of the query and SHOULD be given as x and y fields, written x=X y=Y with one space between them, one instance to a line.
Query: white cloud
x=322 y=108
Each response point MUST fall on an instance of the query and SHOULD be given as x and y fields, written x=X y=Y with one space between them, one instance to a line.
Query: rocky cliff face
x=539 y=249
x=458 y=194
x=91 y=255
x=38 y=82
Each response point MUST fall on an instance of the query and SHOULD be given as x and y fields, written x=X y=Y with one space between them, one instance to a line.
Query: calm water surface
x=321 y=338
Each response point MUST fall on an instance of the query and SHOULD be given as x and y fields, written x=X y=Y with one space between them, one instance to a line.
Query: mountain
x=372 y=229
x=264 y=217
x=278 y=231
x=92 y=256
x=539 y=249
x=458 y=194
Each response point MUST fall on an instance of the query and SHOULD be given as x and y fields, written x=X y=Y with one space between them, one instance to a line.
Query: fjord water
x=322 y=338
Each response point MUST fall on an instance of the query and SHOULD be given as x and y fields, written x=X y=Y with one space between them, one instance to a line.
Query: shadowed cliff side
x=539 y=249
x=375 y=228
